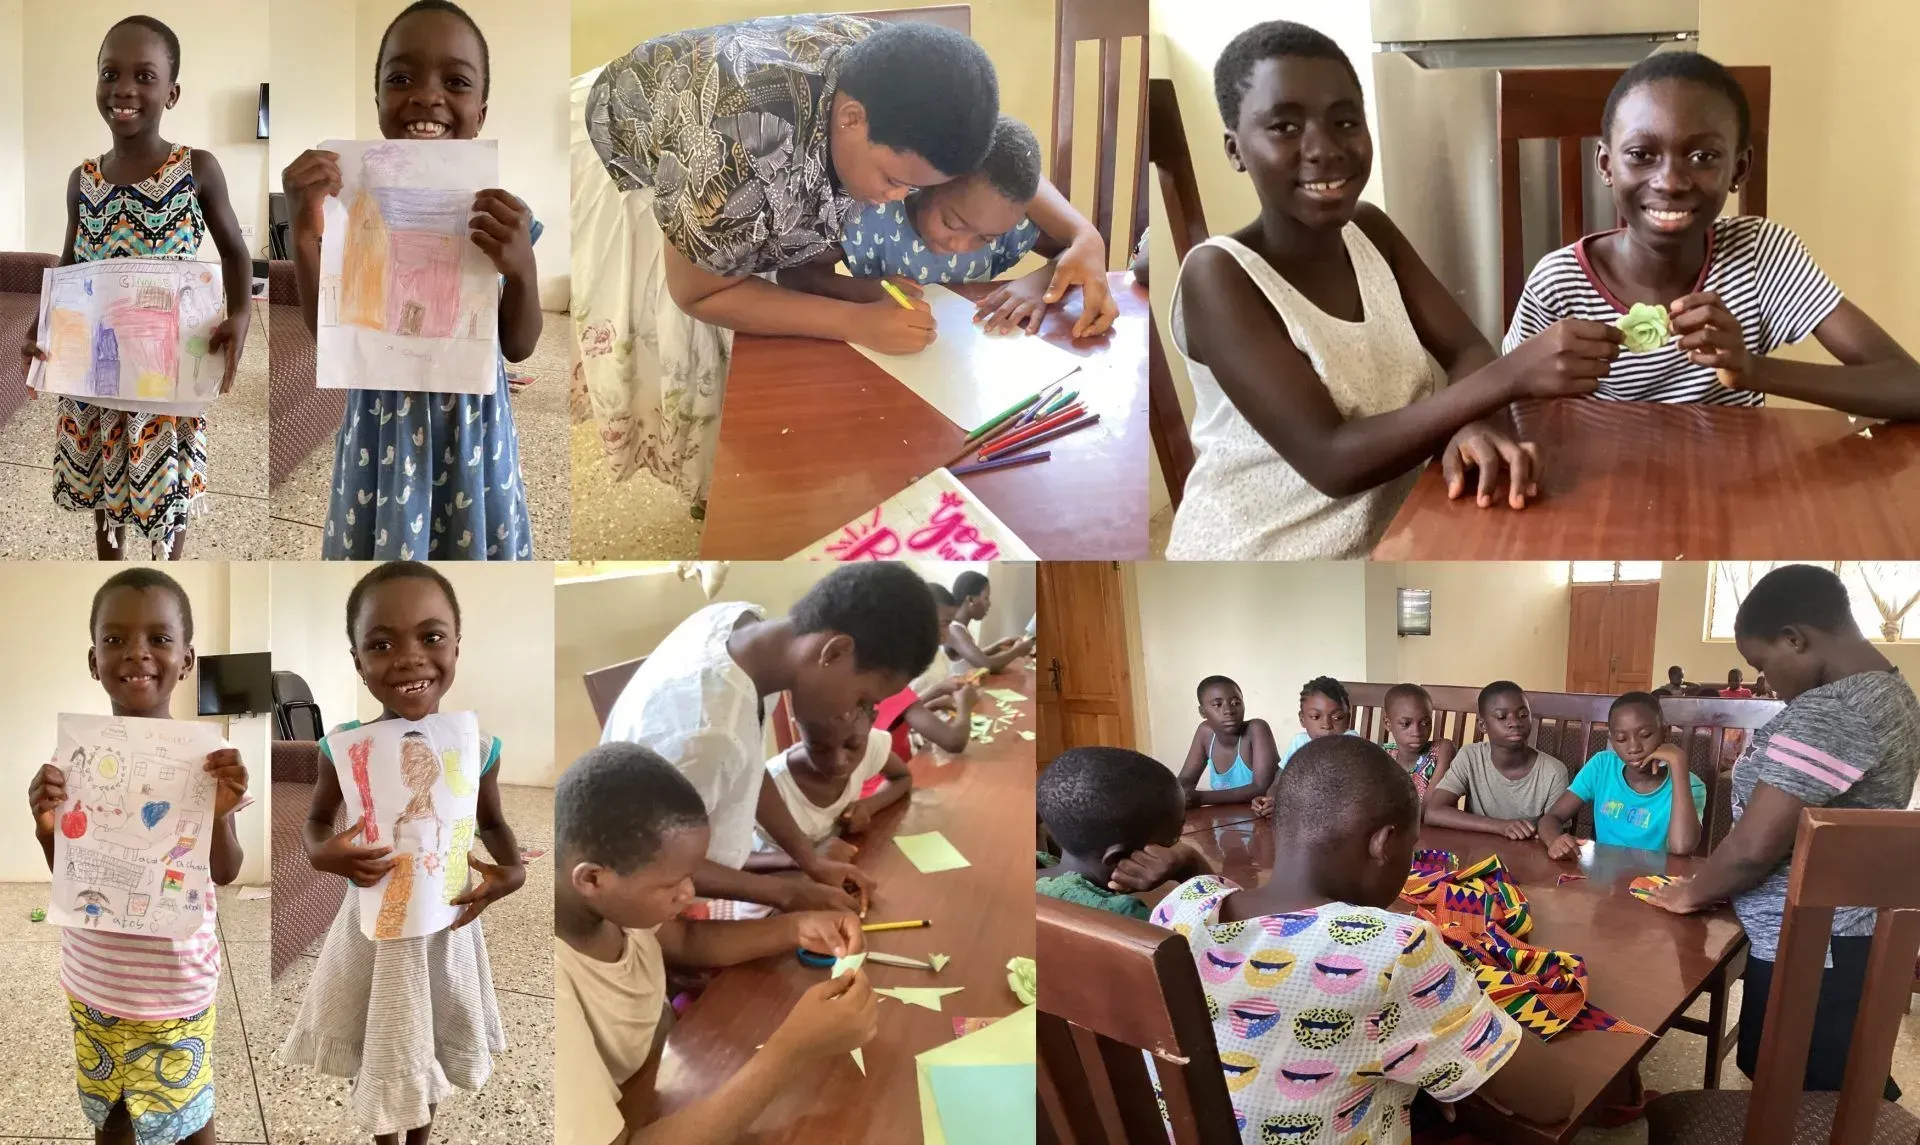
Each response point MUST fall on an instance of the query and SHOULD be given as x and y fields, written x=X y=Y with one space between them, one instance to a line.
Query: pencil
x=1014 y=428
x=910 y=924
x=1046 y=399
x=995 y=421
x=890 y=288
x=1002 y=463
x=897 y=960
x=1005 y=452
x=1060 y=403
x=988 y=449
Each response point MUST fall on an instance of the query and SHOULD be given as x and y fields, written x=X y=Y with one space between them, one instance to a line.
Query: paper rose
x=1645 y=326
x=1020 y=978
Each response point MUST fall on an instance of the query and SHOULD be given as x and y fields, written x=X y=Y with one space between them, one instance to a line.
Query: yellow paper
x=1007 y=1041
x=928 y=996
x=939 y=962
x=931 y=852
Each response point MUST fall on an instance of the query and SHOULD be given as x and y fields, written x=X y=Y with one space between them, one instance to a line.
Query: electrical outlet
x=246 y=232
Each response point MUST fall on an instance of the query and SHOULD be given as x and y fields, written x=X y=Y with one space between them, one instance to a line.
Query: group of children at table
x=1324 y=956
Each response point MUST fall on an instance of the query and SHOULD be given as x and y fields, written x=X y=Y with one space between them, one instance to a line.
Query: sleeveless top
x=1242 y=500
x=158 y=217
x=1239 y=775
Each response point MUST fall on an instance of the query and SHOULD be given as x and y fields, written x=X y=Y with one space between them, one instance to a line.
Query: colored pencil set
x=1004 y=441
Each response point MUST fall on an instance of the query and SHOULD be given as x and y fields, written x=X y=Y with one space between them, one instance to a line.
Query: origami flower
x=1020 y=978
x=1645 y=327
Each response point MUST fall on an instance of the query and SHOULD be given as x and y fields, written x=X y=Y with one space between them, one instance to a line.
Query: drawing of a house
x=147 y=331
x=363 y=279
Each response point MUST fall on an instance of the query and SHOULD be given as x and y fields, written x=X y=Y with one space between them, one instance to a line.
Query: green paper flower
x=1645 y=326
x=1020 y=978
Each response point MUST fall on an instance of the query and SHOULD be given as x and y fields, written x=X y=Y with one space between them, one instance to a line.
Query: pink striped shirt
x=139 y=976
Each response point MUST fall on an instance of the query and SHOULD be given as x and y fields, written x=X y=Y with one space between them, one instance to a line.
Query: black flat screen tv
x=236 y=685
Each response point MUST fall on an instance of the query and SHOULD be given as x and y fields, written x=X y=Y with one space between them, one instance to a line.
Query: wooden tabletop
x=812 y=435
x=1644 y=963
x=1217 y=815
x=1646 y=481
x=982 y=916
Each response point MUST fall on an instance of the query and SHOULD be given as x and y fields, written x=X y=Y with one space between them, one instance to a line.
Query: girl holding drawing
x=142 y=1005
x=406 y=1018
x=144 y=471
x=419 y=475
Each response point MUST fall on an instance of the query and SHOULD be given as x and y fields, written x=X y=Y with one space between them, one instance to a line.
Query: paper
x=132 y=333
x=133 y=846
x=1563 y=880
x=417 y=783
x=939 y=962
x=1028 y=736
x=1020 y=979
x=860 y=1060
x=1004 y=695
x=407 y=301
x=964 y=1026
x=931 y=852
x=1009 y=1041
x=847 y=965
x=935 y=518
x=968 y=374
x=928 y=996
x=985 y=1104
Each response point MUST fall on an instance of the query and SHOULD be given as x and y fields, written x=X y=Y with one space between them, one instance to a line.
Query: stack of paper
x=980 y=1089
x=968 y=374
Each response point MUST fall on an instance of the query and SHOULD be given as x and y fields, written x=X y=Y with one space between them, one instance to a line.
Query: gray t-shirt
x=1852 y=743
x=1492 y=794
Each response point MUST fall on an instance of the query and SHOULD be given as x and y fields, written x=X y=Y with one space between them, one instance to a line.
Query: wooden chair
x=1840 y=858
x=1133 y=987
x=1180 y=195
x=786 y=729
x=1109 y=22
x=959 y=17
x=604 y=686
x=1564 y=104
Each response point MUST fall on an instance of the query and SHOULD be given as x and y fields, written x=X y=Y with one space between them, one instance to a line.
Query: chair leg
x=1716 y=1028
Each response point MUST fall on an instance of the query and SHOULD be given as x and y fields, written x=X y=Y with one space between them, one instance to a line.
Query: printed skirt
x=161 y=1071
x=146 y=472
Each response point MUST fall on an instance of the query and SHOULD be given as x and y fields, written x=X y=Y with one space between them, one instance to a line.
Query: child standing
x=138 y=1002
x=424 y=475
x=1630 y=784
x=819 y=781
x=1508 y=783
x=1409 y=712
x=1116 y=816
x=144 y=471
x=1232 y=759
x=408 y=1019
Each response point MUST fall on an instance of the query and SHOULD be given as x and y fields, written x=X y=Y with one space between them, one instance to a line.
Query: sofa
x=304 y=900
x=19 y=305
x=303 y=417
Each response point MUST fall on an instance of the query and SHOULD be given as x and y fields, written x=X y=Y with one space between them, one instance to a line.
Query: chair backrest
x=295 y=715
x=959 y=17
x=1134 y=988
x=1840 y=858
x=1180 y=195
x=1564 y=104
x=604 y=686
x=1109 y=22
x=786 y=729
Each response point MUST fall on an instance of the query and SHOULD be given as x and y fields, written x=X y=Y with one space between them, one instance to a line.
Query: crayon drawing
x=132 y=333
x=935 y=518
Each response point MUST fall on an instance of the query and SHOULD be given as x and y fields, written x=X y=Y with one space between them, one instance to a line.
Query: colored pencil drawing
x=935 y=518
x=131 y=331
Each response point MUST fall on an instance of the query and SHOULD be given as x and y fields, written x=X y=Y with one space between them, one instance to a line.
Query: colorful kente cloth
x=1643 y=887
x=1482 y=914
x=161 y=1071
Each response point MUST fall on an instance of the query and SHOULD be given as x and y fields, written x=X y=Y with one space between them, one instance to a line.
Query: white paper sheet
x=968 y=374
x=407 y=302
x=133 y=846
x=935 y=518
x=417 y=783
x=131 y=333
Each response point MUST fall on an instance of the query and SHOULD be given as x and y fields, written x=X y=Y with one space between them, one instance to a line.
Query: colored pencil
x=994 y=422
x=1046 y=399
x=1002 y=463
x=994 y=439
x=910 y=924
x=897 y=960
x=1058 y=431
x=1063 y=417
x=1061 y=402
x=890 y=288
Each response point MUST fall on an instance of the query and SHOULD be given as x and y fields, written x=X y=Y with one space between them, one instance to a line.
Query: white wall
x=1491 y=621
x=315 y=93
x=13 y=155
x=223 y=45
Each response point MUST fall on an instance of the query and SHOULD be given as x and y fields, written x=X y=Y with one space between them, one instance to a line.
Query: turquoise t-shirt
x=1622 y=817
x=1300 y=740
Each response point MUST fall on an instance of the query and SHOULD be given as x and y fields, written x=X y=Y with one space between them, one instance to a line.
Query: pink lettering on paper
x=867 y=540
x=950 y=534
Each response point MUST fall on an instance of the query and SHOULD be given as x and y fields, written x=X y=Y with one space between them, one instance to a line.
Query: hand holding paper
x=360 y=865
x=837 y=1016
x=229 y=779
x=46 y=794
x=827 y=932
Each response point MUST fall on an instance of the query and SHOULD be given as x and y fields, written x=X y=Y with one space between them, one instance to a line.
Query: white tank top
x=1242 y=500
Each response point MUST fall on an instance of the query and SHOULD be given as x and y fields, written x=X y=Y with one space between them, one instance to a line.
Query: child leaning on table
x=820 y=780
x=629 y=832
x=1331 y=1012
x=1116 y=816
x=1508 y=783
x=1630 y=784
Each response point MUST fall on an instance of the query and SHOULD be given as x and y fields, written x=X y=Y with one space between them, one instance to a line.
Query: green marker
x=890 y=288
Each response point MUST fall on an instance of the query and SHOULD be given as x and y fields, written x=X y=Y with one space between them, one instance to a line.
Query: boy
x=629 y=835
x=1116 y=816
x=1409 y=717
x=1255 y=759
x=1676 y=684
x=1630 y=784
x=1508 y=783
x=1736 y=688
x=1370 y=1006
x=974 y=595
x=856 y=637
x=1848 y=737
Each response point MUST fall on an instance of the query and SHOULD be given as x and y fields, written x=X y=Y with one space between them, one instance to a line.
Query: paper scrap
x=1020 y=978
x=860 y=1061
x=928 y=996
x=132 y=333
x=935 y=518
x=248 y=894
x=1028 y=736
x=931 y=852
x=991 y=1104
x=1009 y=1041
x=939 y=962
x=845 y=965
x=964 y=1026
x=1563 y=880
x=1004 y=695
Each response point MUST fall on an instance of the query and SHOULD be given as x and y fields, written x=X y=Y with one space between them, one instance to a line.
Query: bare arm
x=1058 y=221
x=1262 y=756
x=819 y=277
x=1196 y=760
x=898 y=786
x=1442 y=810
x=717 y=881
x=777 y=823
x=67 y=256
x=755 y=306
x=323 y=807
x=949 y=735
x=694 y=942
x=236 y=261
x=1553 y=824
x=1755 y=846
x=1876 y=377
x=961 y=641
x=490 y=824
x=227 y=853
x=721 y=1116
x=1683 y=818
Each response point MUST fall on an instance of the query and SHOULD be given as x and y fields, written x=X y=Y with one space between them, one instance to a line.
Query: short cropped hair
x=1805 y=596
x=1406 y=692
x=1342 y=785
x=1200 y=693
x=1233 y=71
x=452 y=9
x=166 y=34
x=884 y=606
x=1093 y=798
x=141 y=579
x=1645 y=700
x=618 y=803
x=396 y=570
x=969 y=584
x=1012 y=164
x=926 y=89
x=1693 y=67
x=1495 y=690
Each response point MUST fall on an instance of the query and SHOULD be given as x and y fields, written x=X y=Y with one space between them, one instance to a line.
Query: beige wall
x=224 y=48
x=1491 y=621
x=13 y=156
x=315 y=93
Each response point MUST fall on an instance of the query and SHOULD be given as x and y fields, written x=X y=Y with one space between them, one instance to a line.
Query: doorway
x=1610 y=637
x=1084 y=681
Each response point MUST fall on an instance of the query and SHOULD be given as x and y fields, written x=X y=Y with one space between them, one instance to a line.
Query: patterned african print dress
x=147 y=472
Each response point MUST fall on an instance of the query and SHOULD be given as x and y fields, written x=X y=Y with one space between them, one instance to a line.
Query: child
x=428 y=475
x=1409 y=712
x=144 y=470
x=1508 y=783
x=916 y=708
x=857 y=636
x=1293 y=968
x=1676 y=684
x=1116 y=816
x=1736 y=688
x=1248 y=770
x=629 y=834
x=1311 y=335
x=142 y=1007
x=819 y=781
x=406 y=1018
x=1849 y=736
x=1325 y=710
x=971 y=229
x=1630 y=785
x=975 y=596
x=1674 y=143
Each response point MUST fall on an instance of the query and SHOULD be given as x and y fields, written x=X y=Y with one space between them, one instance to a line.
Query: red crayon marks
x=359 y=753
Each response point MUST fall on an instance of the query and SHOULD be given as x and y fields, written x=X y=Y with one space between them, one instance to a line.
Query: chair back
x=959 y=17
x=1180 y=195
x=604 y=686
x=295 y=715
x=1109 y=22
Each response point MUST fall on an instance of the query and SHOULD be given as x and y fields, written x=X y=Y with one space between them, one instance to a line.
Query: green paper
x=1004 y=695
x=1007 y=1041
x=1028 y=736
x=985 y=1104
x=843 y=965
x=928 y=996
x=1645 y=326
x=939 y=962
x=1020 y=979
x=931 y=852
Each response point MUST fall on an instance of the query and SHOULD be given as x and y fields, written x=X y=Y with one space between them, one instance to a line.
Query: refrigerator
x=1435 y=69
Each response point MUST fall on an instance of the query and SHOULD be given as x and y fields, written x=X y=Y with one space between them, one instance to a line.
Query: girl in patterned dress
x=420 y=475
x=1409 y=715
x=143 y=469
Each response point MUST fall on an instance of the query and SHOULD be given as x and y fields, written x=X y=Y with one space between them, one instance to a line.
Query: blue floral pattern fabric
x=880 y=240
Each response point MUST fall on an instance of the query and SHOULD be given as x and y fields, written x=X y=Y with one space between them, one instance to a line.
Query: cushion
x=1719 y=1117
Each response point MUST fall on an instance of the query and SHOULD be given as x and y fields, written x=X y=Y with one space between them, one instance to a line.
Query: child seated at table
x=1232 y=759
x=1116 y=816
x=1630 y=785
x=1409 y=712
x=1507 y=782
x=1325 y=710
x=820 y=780
x=629 y=833
x=918 y=707
x=1331 y=1011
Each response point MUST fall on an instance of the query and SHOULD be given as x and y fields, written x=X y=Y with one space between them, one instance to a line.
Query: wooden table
x=982 y=916
x=1644 y=963
x=812 y=435
x=1645 y=481
x=1217 y=815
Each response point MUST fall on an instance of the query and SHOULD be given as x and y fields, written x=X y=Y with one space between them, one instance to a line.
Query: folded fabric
x=1643 y=887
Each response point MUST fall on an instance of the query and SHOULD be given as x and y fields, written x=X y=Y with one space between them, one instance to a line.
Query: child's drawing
x=130 y=854
x=417 y=784
x=935 y=518
x=130 y=333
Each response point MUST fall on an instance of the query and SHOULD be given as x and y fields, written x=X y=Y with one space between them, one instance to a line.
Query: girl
x=1674 y=144
x=1325 y=710
x=973 y=598
x=144 y=470
x=1232 y=759
x=821 y=781
x=409 y=1018
x=460 y=450
x=142 y=1007
x=1632 y=787
x=1409 y=712
x=1310 y=335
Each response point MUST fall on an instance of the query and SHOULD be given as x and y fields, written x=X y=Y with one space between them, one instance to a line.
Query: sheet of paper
x=133 y=848
x=1008 y=1041
x=968 y=374
x=1028 y=736
x=132 y=333
x=417 y=783
x=861 y=1061
x=407 y=301
x=931 y=852
x=935 y=518
x=927 y=996
x=1005 y=695
x=985 y=1104
x=847 y=965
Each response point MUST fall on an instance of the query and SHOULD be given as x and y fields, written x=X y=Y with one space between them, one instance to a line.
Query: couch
x=19 y=305
x=304 y=900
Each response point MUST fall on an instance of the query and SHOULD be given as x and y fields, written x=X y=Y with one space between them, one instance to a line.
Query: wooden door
x=1610 y=638
x=1084 y=682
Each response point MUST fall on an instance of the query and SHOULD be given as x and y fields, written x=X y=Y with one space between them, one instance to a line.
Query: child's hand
x=1564 y=847
x=30 y=350
x=1710 y=334
x=497 y=881
x=308 y=181
x=361 y=866
x=230 y=780
x=231 y=334
x=503 y=230
x=1481 y=446
x=857 y=817
x=1677 y=896
x=1663 y=757
x=1020 y=304
x=1567 y=359
x=870 y=290
x=1084 y=264
x=1147 y=868
x=1517 y=828
x=832 y=932
x=967 y=696
x=826 y=888
x=1193 y=798
x=886 y=327
x=834 y=1017
x=1262 y=806
x=46 y=794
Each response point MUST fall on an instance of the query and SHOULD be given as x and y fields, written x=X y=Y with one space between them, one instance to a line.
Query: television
x=236 y=685
x=260 y=128
x=1416 y=611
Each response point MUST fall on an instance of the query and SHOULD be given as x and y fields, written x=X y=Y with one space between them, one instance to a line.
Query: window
x=1616 y=572
x=565 y=572
x=1885 y=595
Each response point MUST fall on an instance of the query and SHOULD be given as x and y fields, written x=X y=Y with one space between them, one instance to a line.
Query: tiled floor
x=639 y=518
